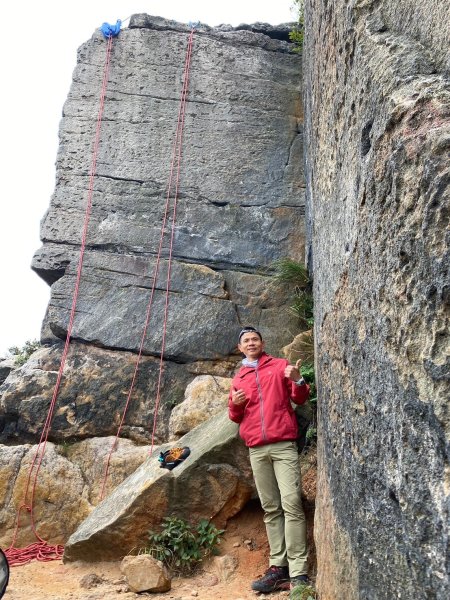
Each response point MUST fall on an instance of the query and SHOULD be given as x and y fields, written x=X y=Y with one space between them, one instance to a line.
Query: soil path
x=57 y=581
x=76 y=581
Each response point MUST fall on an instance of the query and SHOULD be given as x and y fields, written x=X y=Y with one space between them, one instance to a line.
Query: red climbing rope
x=41 y=550
x=176 y=160
x=180 y=130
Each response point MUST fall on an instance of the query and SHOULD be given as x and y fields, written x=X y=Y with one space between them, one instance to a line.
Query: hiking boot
x=299 y=580
x=275 y=578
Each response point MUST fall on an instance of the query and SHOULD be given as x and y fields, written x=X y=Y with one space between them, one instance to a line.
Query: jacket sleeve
x=235 y=412
x=299 y=393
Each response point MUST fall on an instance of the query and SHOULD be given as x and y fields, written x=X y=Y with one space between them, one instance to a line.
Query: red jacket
x=267 y=416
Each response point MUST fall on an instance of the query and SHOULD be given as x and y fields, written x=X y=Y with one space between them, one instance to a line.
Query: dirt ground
x=74 y=581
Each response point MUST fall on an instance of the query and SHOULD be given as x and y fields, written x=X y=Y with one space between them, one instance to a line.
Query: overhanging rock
x=214 y=482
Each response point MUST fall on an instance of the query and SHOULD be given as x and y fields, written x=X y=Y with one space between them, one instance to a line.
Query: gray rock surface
x=377 y=139
x=240 y=194
x=92 y=396
x=6 y=366
x=214 y=482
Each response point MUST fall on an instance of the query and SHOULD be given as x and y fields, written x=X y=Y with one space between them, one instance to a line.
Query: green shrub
x=303 y=306
x=181 y=546
x=311 y=434
x=21 y=355
x=309 y=376
x=296 y=35
x=286 y=270
x=303 y=592
x=290 y=271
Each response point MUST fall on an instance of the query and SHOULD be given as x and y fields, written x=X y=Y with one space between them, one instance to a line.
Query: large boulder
x=301 y=348
x=92 y=395
x=69 y=484
x=204 y=397
x=240 y=189
x=214 y=482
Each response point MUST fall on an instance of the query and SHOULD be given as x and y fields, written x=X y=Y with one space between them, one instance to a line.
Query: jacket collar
x=264 y=358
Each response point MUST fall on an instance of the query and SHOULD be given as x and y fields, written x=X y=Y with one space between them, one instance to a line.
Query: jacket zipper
x=261 y=405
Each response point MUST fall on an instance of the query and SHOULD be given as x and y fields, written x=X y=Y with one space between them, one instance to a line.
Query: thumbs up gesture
x=293 y=372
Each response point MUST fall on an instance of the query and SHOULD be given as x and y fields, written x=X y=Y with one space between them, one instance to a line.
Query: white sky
x=38 y=45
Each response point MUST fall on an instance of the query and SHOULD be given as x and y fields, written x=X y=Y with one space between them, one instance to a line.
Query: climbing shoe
x=275 y=578
x=173 y=457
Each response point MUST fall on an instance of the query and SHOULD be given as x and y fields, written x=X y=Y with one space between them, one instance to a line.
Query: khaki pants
x=278 y=481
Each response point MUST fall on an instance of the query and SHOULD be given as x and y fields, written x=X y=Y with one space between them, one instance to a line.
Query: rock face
x=377 y=107
x=92 y=396
x=240 y=192
x=214 y=482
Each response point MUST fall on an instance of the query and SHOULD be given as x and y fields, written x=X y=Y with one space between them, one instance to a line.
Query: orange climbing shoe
x=173 y=457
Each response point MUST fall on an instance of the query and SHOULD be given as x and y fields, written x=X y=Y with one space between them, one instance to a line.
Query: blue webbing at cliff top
x=111 y=30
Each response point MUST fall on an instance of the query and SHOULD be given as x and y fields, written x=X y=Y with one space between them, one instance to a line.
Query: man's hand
x=238 y=397
x=293 y=373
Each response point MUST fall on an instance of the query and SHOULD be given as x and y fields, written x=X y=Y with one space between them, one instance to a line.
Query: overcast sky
x=38 y=46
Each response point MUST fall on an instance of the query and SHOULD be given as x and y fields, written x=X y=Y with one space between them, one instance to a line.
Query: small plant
x=64 y=448
x=303 y=306
x=181 y=546
x=296 y=35
x=309 y=376
x=21 y=355
x=311 y=435
x=286 y=270
x=303 y=592
x=290 y=271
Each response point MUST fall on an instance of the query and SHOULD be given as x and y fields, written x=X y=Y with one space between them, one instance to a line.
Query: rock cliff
x=240 y=194
x=377 y=134
x=240 y=207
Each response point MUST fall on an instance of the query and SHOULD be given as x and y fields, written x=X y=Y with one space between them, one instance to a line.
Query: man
x=260 y=401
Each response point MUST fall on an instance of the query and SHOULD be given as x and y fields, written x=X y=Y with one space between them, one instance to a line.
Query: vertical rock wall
x=377 y=106
x=241 y=190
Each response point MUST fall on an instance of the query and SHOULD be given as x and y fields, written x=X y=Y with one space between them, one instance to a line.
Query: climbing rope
x=179 y=137
x=174 y=166
x=41 y=550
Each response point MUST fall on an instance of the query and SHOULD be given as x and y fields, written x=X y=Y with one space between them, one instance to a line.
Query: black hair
x=249 y=329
